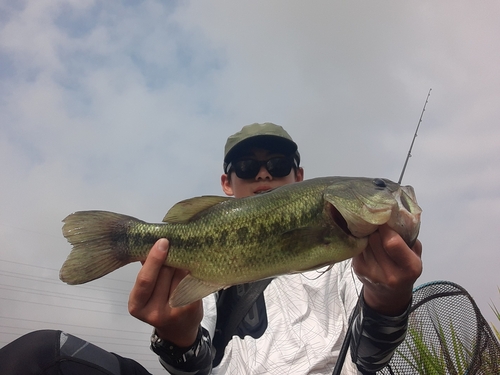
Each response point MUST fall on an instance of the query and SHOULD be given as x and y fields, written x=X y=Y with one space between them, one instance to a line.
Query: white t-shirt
x=307 y=316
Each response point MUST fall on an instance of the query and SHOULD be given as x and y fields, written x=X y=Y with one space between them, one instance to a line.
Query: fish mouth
x=339 y=220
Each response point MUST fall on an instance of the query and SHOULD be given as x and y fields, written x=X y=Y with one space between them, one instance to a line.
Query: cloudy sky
x=126 y=106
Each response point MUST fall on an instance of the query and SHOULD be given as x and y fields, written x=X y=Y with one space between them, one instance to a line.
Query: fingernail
x=162 y=244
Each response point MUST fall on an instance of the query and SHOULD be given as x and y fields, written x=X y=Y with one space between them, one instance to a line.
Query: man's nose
x=263 y=174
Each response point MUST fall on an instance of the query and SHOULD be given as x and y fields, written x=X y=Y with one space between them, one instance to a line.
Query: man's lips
x=262 y=189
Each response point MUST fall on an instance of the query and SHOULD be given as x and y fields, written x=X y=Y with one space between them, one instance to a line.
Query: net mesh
x=446 y=335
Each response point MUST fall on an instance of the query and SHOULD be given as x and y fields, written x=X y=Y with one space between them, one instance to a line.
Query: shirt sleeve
x=375 y=338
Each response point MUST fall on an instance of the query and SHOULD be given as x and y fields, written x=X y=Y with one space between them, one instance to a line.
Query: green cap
x=269 y=136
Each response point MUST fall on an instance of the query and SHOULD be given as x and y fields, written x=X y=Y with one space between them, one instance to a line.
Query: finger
x=369 y=257
x=154 y=262
x=146 y=278
x=417 y=248
x=396 y=248
x=160 y=293
x=158 y=253
x=365 y=264
x=406 y=262
x=380 y=263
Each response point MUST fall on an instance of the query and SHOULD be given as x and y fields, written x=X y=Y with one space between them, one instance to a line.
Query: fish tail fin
x=98 y=246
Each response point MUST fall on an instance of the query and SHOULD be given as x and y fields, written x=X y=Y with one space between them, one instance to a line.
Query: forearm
x=196 y=359
x=376 y=337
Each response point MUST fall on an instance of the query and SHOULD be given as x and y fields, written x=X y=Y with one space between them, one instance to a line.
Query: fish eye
x=378 y=182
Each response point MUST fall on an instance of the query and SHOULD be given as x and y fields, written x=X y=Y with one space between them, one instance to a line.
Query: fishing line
x=320 y=273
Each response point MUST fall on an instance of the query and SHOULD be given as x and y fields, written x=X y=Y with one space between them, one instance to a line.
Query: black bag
x=230 y=313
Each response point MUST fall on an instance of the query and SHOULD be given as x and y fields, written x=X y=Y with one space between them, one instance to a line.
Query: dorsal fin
x=184 y=210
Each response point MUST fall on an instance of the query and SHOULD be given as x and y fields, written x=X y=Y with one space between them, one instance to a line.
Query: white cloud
x=126 y=107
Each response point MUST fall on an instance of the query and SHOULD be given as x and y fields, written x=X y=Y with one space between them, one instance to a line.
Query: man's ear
x=299 y=174
x=226 y=185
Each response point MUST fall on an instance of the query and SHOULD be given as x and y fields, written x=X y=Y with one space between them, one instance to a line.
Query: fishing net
x=446 y=335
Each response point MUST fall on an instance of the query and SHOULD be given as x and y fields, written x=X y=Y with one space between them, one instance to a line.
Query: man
x=299 y=322
x=296 y=325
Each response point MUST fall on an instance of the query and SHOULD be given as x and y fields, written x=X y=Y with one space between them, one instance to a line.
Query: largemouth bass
x=224 y=241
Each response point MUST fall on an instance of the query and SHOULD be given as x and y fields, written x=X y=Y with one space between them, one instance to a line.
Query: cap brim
x=271 y=143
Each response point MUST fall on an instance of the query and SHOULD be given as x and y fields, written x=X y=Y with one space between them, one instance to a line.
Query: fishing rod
x=414 y=136
x=347 y=340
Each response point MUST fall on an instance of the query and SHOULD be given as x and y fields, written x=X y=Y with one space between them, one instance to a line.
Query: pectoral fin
x=191 y=289
x=291 y=240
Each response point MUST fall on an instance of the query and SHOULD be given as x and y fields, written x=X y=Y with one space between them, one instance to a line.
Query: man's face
x=241 y=188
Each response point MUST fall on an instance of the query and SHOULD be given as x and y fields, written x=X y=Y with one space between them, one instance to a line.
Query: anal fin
x=191 y=289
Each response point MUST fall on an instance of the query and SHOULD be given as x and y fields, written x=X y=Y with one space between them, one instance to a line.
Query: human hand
x=388 y=268
x=148 y=300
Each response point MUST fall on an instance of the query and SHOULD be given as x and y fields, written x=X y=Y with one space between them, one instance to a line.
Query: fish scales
x=225 y=241
x=232 y=257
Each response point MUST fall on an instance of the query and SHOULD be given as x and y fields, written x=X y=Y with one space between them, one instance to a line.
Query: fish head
x=360 y=205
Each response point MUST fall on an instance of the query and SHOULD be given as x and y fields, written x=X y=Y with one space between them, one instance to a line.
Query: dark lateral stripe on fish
x=224 y=242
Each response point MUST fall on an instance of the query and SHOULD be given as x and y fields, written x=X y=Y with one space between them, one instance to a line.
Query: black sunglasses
x=245 y=169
